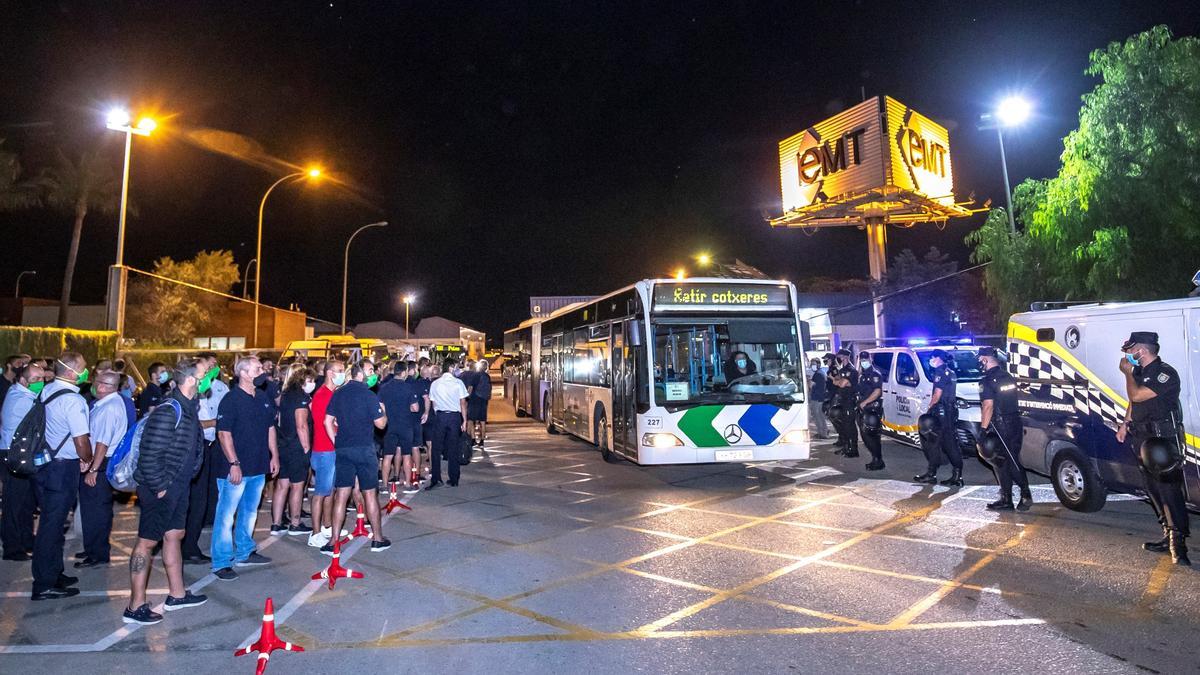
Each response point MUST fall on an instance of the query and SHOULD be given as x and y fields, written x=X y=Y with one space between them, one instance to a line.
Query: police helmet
x=871 y=422
x=837 y=413
x=1160 y=456
x=940 y=354
x=929 y=427
x=991 y=447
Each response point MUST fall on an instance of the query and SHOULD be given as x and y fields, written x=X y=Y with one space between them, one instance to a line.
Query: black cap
x=989 y=351
x=843 y=352
x=864 y=355
x=939 y=353
x=1140 y=338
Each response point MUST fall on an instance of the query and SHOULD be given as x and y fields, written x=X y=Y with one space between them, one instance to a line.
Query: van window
x=1045 y=335
x=906 y=371
x=883 y=363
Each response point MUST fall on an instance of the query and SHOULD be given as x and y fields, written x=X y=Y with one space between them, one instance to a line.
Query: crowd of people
x=207 y=451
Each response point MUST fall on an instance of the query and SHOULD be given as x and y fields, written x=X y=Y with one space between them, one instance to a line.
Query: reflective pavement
x=548 y=559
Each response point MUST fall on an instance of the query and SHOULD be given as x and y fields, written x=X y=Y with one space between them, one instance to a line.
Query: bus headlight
x=661 y=440
x=795 y=437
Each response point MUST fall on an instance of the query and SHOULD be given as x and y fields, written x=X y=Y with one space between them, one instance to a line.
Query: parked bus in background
x=671 y=372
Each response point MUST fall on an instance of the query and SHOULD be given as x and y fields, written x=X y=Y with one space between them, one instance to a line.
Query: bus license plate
x=734 y=455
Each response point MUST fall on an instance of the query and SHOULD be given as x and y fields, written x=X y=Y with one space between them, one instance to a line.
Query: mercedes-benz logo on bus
x=733 y=433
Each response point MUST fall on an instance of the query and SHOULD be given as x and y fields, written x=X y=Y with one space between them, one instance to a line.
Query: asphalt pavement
x=547 y=559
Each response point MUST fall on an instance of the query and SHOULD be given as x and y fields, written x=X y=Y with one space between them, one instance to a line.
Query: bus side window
x=642 y=382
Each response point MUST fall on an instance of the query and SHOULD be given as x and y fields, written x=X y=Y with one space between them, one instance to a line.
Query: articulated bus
x=650 y=373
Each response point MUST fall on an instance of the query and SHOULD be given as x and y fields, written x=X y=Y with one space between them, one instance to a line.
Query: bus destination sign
x=710 y=296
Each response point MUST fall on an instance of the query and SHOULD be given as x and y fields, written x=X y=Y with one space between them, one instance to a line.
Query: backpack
x=29 y=439
x=124 y=460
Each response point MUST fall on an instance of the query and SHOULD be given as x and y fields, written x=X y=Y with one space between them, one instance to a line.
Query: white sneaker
x=318 y=539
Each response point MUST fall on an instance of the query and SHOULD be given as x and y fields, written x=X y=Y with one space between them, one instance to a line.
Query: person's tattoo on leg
x=137 y=563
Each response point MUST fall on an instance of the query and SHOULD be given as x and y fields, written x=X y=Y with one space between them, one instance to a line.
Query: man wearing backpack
x=169 y=456
x=57 y=481
x=17 y=502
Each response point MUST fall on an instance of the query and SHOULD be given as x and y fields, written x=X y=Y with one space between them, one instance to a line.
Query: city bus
x=647 y=373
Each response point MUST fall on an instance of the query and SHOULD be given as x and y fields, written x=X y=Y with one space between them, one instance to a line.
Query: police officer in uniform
x=844 y=380
x=1000 y=431
x=870 y=409
x=944 y=413
x=1153 y=420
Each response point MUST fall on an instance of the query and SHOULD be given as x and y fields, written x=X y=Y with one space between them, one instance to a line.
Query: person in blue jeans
x=246 y=432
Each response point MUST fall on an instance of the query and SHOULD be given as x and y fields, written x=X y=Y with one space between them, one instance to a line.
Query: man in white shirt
x=106 y=423
x=17 y=502
x=448 y=395
x=57 y=481
x=202 y=500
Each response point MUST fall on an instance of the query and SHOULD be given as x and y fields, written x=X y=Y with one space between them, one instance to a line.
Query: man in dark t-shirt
x=353 y=414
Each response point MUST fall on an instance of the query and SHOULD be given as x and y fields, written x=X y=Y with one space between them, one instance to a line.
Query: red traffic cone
x=335 y=570
x=394 y=503
x=267 y=641
x=360 y=526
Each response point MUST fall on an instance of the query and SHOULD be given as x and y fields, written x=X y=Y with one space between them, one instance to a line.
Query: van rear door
x=1189 y=370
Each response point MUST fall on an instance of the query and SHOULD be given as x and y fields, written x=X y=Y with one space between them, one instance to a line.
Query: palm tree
x=14 y=192
x=78 y=188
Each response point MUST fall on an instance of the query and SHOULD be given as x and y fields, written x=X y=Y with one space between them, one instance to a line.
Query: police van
x=908 y=387
x=1072 y=394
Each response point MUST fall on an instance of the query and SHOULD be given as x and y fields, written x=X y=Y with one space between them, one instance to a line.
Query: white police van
x=1073 y=394
x=907 y=387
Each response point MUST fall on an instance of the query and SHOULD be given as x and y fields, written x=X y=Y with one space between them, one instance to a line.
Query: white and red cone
x=393 y=502
x=335 y=570
x=267 y=641
x=360 y=526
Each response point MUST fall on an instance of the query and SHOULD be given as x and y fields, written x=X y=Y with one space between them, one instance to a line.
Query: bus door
x=624 y=419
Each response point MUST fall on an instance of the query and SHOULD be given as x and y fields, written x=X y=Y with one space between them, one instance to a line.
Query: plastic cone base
x=267 y=640
x=335 y=570
x=393 y=502
x=360 y=526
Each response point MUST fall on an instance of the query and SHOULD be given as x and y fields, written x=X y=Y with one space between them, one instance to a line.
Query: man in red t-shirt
x=322 y=457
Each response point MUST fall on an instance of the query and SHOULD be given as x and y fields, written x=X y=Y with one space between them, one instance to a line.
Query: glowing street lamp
x=408 y=301
x=704 y=259
x=680 y=274
x=1012 y=111
x=312 y=173
x=118 y=119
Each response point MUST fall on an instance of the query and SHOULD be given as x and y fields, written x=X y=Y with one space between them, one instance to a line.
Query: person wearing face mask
x=943 y=409
x=844 y=379
x=11 y=365
x=246 y=431
x=870 y=409
x=294 y=440
x=17 y=502
x=153 y=393
x=449 y=396
x=1000 y=419
x=202 y=494
x=353 y=415
x=322 y=459
x=107 y=422
x=57 y=481
x=1155 y=416
x=739 y=365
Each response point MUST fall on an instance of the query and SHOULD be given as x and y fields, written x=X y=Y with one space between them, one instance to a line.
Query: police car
x=1072 y=394
x=907 y=388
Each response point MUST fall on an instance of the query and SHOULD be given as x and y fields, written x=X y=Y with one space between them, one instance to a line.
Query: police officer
x=944 y=415
x=870 y=409
x=1155 y=417
x=844 y=381
x=1001 y=420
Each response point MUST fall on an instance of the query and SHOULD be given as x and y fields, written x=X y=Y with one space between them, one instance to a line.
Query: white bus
x=649 y=372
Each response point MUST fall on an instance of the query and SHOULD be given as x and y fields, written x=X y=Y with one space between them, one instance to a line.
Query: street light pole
x=262 y=205
x=1012 y=223
x=1010 y=112
x=346 y=267
x=17 y=290
x=119 y=120
x=246 y=279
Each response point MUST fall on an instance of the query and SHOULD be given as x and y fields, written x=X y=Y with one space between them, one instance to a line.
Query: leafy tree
x=77 y=188
x=15 y=193
x=169 y=313
x=921 y=310
x=1118 y=220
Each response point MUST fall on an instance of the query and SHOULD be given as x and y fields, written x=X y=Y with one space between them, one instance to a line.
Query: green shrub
x=38 y=341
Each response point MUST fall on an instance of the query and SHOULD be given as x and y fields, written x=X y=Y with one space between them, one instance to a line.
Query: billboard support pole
x=877 y=259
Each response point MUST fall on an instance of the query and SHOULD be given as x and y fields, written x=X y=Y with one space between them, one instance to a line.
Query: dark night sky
x=517 y=148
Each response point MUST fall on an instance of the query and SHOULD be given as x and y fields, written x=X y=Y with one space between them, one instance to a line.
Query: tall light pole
x=118 y=120
x=310 y=173
x=408 y=300
x=1011 y=112
x=346 y=267
x=17 y=290
x=246 y=278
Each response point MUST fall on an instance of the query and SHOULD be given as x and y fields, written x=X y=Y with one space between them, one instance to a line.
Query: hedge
x=37 y=342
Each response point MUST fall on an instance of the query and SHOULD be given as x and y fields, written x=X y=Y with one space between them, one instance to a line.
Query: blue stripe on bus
x=757 y=423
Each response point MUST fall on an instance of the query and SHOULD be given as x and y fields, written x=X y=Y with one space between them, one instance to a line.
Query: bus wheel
x=601 y=436
x=1076 y=482
x=549 y=419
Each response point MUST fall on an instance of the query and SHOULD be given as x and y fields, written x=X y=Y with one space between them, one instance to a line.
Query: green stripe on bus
x=696 y=424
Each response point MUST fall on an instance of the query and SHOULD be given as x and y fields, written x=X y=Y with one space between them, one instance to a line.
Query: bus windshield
x=726 y=361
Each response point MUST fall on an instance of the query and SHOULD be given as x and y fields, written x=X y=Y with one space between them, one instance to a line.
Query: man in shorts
x=353 y=414
x=322 y=459
x=169 y=456
x=403 y=403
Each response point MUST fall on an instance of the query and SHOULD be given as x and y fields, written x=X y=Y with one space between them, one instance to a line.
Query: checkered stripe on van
x=1031 y=362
